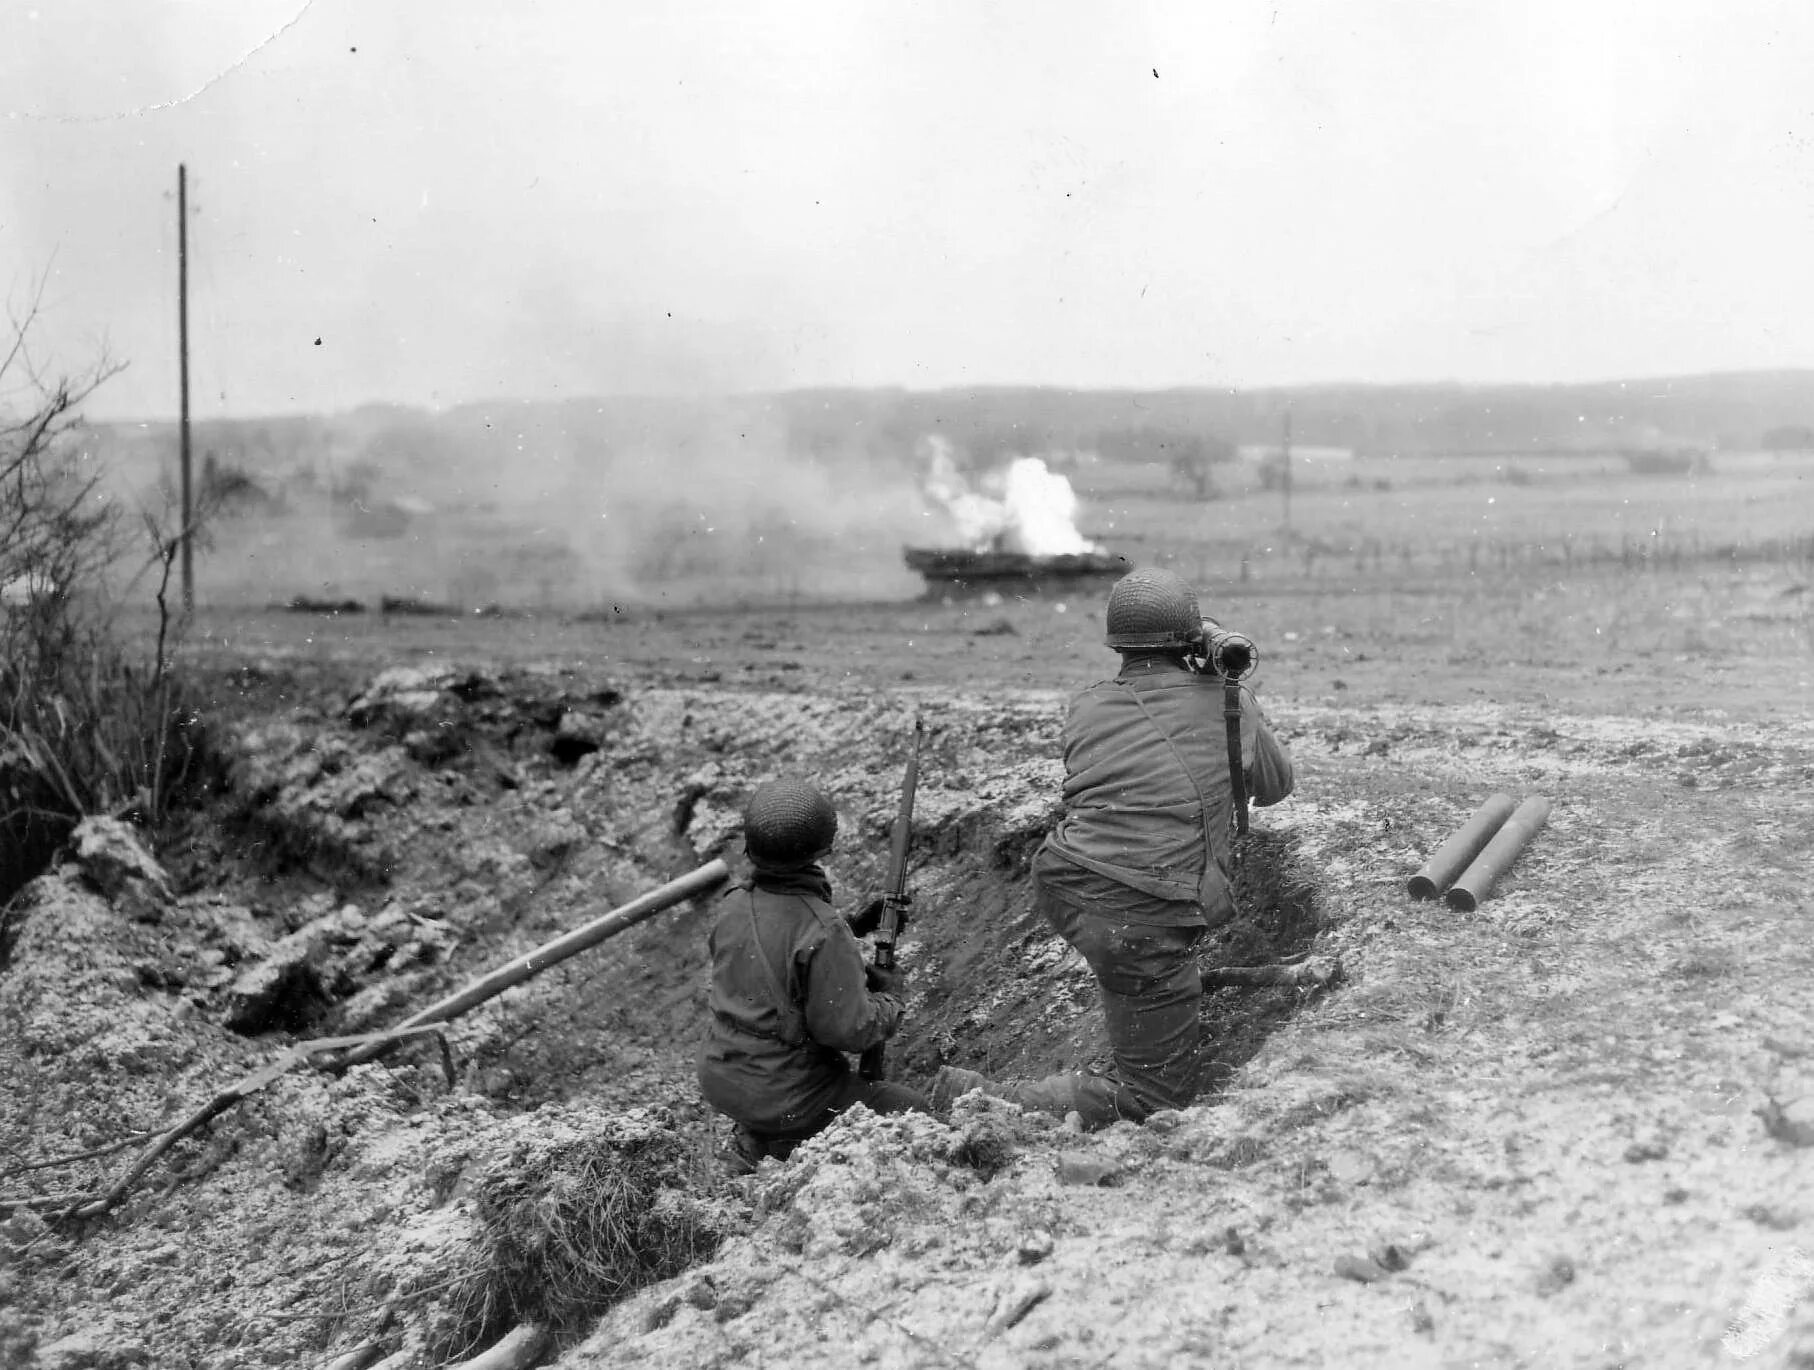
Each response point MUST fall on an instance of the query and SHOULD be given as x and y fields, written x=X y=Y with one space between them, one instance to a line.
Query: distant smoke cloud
x=582 y=505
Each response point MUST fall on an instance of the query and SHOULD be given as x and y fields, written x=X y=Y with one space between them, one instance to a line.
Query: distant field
x=694 y=541
x=1421 y=516
x=1571 y=588
x=1640 y=641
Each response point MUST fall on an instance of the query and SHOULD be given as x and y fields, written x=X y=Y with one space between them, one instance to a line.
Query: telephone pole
x=182 y=344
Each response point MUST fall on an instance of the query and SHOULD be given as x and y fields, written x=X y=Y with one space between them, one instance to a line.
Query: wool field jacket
x=788 y=997
x=1148 y=798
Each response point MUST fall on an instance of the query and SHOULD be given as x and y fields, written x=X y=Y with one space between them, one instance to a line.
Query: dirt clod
x=1776 y=1219
x=1555 y=1276
x=576 y=735
x=1018 y=1300
x=1791 y=1123
x=1361 y=1269
x=114 y=861
x=1350 y=1166
x=1035 y=1247
x=1390 y=1256
x=1083 y=1168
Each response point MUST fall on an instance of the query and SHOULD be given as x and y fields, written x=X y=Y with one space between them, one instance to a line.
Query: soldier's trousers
x=1151 y=997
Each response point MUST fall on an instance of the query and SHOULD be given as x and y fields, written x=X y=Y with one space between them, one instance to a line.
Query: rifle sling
x=1237 y=774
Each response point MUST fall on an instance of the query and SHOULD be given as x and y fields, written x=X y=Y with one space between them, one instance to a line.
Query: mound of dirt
x=1565 y=1128
x=365 y=858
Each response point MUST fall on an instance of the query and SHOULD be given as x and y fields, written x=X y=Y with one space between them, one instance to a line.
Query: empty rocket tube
x=1453 y=856
x=1476 y=881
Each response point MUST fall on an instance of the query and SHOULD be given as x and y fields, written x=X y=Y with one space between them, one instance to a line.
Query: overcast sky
x=463 y=201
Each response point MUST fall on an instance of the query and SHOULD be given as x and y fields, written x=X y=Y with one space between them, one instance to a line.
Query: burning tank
x=1016 y=535
x=954 y=570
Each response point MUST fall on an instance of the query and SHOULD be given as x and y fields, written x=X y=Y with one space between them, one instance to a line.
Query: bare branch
x=22 y=325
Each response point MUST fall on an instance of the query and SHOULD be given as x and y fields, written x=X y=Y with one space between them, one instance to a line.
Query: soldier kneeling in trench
x=790 y=990
x=1137 y=871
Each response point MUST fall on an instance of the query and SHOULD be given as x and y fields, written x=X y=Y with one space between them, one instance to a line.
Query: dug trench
x=365 y=853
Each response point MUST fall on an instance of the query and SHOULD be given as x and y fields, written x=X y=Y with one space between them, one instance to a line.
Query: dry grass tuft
x=575 y=1216
x=984 y=1146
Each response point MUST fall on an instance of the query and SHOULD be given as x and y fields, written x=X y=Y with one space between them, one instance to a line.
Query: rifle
x=873 y=1063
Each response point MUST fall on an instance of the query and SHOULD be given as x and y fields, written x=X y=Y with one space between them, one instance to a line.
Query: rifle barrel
x=873 y=1064
x=903 y=821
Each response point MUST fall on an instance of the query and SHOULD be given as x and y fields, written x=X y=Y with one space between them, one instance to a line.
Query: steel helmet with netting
x=1152 y=610
x=788 y=822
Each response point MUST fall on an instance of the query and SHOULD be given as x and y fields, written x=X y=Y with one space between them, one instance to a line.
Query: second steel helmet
x=1152 y=610
x=788 y=822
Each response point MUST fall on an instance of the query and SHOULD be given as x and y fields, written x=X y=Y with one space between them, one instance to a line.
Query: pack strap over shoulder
x=793 y=1022
x=1209 y=846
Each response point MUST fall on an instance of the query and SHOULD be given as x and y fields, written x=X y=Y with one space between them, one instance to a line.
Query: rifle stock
x=873 y=1065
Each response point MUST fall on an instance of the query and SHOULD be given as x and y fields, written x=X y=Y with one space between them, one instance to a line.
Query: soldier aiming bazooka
x=790 y=991
x=1159 y=764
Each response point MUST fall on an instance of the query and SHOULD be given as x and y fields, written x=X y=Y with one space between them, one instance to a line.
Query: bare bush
x=87 y=725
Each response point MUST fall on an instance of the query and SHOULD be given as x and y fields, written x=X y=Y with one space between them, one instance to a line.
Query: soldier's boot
x=1056 y=1095
x=1095 y=1099
x=744 y=1153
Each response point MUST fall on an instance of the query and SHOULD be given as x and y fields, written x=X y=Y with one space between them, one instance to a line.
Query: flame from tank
x=1024 y=507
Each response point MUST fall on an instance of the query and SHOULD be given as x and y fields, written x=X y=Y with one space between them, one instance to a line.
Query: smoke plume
x=1022 y=507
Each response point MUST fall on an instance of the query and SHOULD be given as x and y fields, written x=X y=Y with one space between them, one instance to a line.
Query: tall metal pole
x=182 y=342
x=1285 y=468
